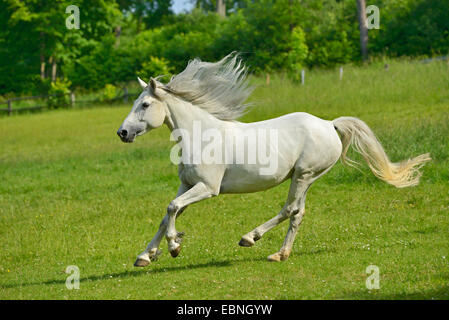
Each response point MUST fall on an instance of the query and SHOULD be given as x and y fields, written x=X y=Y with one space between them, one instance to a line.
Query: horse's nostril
x=122 y=133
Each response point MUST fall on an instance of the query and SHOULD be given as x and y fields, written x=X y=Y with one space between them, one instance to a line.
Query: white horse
x=211 y=96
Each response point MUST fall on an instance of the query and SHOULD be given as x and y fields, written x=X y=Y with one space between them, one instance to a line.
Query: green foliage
x=59 y=94
x=331 y=32
x=266 y=36
x=410 y=27
x=150 y=14
x=33 y=33
x=153 y=68
x=297 y=54
x=96 y=67
x=39 y=86
x=211 y=5
x=336 y=50
x=271 y=35
x=109 y=92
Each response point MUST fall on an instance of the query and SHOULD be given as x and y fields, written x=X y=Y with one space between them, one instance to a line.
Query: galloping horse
x=209 y=97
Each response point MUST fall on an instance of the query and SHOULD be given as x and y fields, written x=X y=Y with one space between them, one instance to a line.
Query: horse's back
x=303 y=142
x=321 y=145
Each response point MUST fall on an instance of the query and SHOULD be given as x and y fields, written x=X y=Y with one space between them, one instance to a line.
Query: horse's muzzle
x=125 y=136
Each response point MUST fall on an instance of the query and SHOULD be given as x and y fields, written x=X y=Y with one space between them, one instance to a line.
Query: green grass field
x=72 y=194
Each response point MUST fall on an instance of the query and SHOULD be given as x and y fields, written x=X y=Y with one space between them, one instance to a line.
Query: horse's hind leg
x=284 y=253
x=250 y=238
x=292 y=207
x=301 y=185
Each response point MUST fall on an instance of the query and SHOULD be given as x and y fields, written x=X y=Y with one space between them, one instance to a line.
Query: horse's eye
x=145 y=105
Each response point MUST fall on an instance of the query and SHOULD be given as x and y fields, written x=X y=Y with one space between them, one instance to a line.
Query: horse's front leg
x=152 y=251
x=198 y=192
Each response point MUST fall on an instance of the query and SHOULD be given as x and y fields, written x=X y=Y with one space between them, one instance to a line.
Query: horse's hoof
x=275 y=257
x=141 y=263
x=174 y=253
x=278 y=256
x=246 y=242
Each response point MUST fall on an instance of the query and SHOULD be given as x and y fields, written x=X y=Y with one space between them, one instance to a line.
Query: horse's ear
x=153 y=85
x=142 y=83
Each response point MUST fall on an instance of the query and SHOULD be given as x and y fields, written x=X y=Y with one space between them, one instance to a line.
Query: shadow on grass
x=438 y=293
x=441 y=293
x=136 y=273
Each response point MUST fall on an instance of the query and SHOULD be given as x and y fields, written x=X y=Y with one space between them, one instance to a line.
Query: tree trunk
x=290 y=7
x=139 y=23
x=54 y=67
x=361 y=13
x=42 y=56
x=42 y=66
x=118 y=32
x=221 y=8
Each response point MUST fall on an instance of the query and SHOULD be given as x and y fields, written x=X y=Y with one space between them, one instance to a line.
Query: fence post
x=341 y=73
x=72 y=99
x=125 y=94
x=303 y=76
x=268 y=79
x=9 y=107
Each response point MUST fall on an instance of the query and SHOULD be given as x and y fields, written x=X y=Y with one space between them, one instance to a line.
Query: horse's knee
x=296 y=218
x=173 y=208
x=291 y=211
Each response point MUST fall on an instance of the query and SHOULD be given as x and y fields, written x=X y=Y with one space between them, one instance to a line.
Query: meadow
x=72 y=194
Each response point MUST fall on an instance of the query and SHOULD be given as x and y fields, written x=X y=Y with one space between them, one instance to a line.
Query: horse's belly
x=245 y=179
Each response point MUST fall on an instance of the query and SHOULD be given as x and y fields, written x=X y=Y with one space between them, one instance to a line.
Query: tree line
x=119 y=39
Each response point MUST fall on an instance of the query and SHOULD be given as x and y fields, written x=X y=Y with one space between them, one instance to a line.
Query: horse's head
x=148 y=112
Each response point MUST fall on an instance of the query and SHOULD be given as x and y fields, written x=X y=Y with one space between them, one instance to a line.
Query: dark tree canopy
x=119 y=39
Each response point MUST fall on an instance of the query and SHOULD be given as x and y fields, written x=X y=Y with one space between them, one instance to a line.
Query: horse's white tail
x=355 y=132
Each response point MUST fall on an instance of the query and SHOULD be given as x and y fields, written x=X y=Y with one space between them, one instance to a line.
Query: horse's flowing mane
x=220 y=88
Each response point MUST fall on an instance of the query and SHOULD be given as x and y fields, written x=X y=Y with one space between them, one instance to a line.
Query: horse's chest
x=192 y=174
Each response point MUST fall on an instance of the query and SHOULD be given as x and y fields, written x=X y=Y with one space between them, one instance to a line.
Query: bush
x=59 y=94
x=109 y=92
x=412 y=28
x=297 y=54
x=153 y=68
x=39 y=86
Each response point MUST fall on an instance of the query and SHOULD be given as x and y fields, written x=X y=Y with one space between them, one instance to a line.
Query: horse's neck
x=184 y=115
